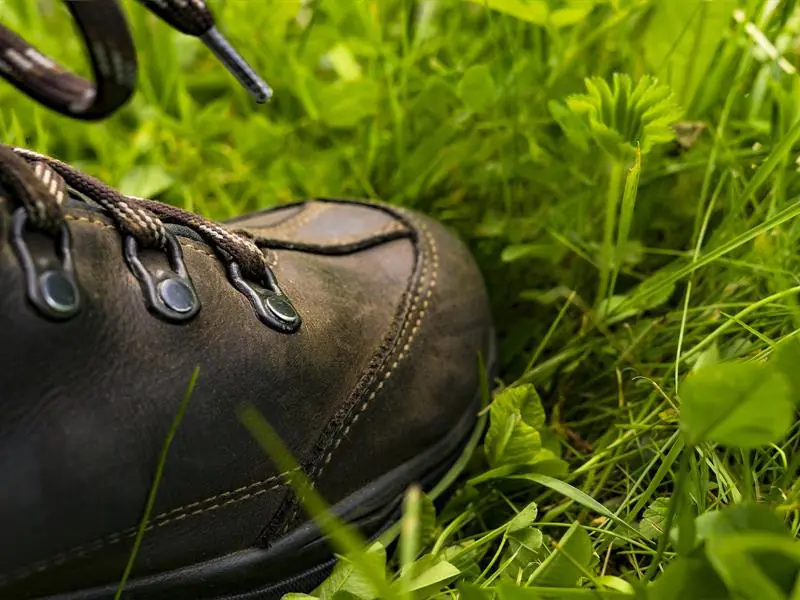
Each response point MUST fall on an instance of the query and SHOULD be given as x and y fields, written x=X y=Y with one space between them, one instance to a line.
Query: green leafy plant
x=625 y=122
x=641 y=259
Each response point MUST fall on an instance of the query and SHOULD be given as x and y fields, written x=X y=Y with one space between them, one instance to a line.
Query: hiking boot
x=354 y=328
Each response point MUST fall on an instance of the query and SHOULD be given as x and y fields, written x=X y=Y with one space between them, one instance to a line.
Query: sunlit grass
x=609 y=281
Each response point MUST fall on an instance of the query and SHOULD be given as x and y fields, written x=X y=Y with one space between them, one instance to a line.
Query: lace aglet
x=234 y=62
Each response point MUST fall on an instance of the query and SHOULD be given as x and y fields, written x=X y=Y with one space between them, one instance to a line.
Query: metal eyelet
x=169 y=294
x=272 y=307
x=52 y=285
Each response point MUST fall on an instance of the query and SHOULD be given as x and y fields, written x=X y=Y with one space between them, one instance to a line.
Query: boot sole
x=301 y=560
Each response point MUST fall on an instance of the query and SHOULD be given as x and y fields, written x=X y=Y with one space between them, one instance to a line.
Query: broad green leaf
x=562 y=567
x=685 y=578
x=296 y=596
x=681 y=39
x=526 y=549
x=146 y=181
x=434 y=578
x=470 y=591
x=546 y=463
x=347 y=578
x=786 y=359
x=652 y=523
x=615 y=583
x=529 y=539
x=533 y=11
x=758 y=565
x=476 y=88
x=740 y=519
x=523 y=518
x=344 y=63
x=514 y=592
x=744 y=405
x=531 y=407
x=709 y=356
x=344 y=595
x=515 y=416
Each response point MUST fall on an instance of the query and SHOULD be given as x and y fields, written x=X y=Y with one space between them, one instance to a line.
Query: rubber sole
x=303 y=559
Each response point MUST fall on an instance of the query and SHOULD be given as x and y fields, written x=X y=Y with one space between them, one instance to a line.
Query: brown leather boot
x=354 y=328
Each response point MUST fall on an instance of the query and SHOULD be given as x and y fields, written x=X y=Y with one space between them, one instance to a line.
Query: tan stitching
x=294 y=222
x=357 y=237
x=245 y=492
x=387 y=374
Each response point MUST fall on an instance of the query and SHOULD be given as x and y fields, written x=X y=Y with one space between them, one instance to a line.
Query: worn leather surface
x=394 y=317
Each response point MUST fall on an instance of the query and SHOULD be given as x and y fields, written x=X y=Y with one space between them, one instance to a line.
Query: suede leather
x=394 y=314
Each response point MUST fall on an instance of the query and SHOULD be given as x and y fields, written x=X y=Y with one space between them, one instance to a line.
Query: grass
x=634 y=248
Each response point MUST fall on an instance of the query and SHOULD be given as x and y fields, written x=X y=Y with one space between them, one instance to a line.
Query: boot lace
x=112 y=55
x=33 y=186
x=32 y=189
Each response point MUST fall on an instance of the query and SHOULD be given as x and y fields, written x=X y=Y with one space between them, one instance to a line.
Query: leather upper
x=386 y=359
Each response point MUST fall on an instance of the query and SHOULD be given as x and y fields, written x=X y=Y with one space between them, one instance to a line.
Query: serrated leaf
x=563 y=567
x=738 y=404
x=146 y=181
x=652 y=523
x=621 y=117
x=476 y=88
x=574 y=127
